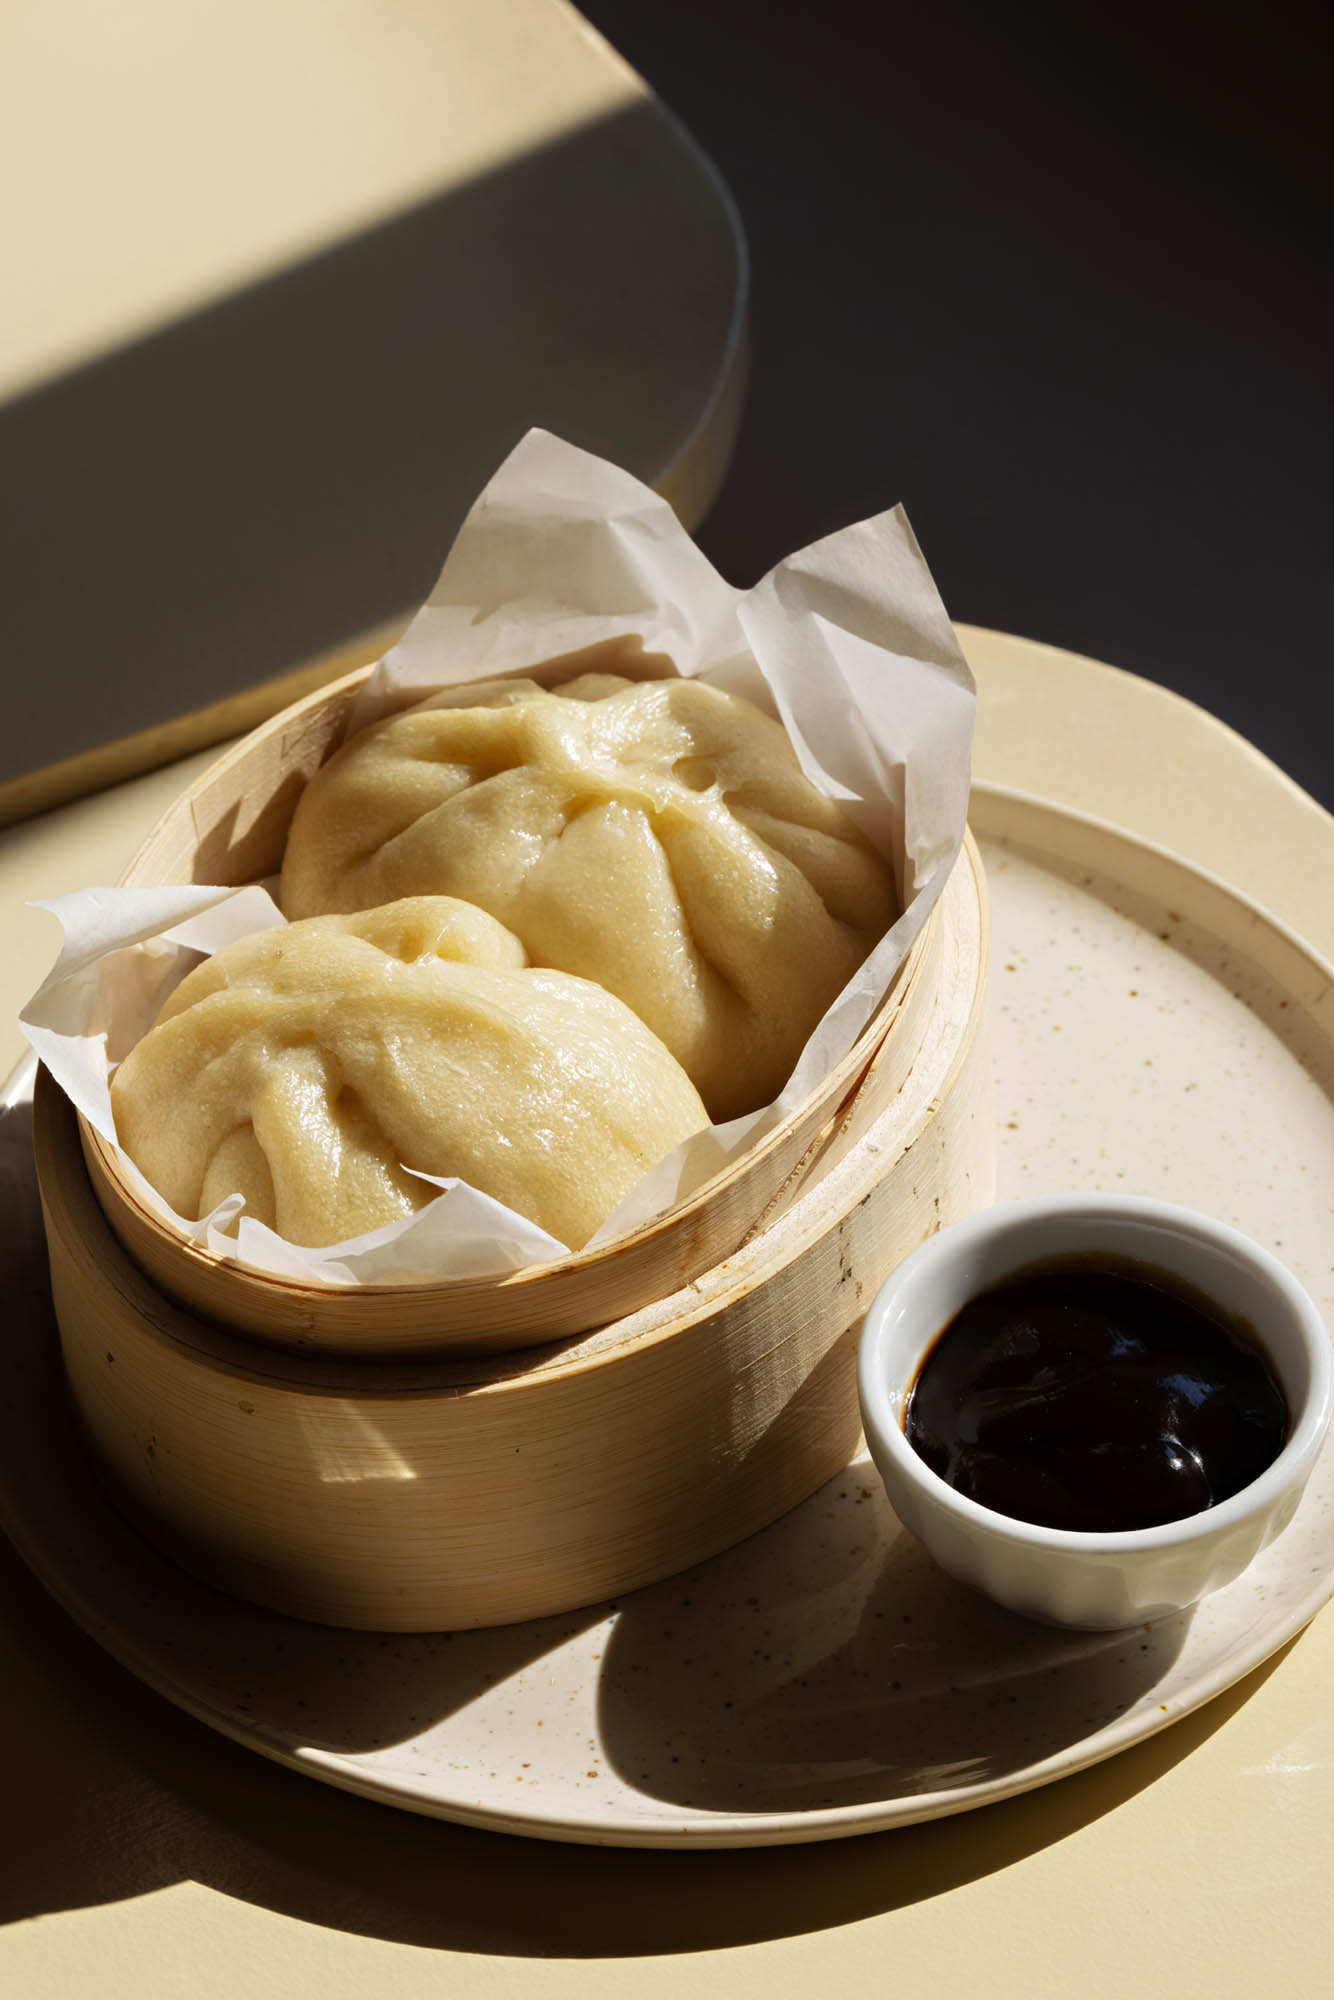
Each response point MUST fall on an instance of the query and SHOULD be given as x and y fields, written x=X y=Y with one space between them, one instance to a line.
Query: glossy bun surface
x=309 y=1067
x=658 y=837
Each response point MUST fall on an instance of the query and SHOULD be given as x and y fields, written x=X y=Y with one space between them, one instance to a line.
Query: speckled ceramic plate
x=1153 y=1032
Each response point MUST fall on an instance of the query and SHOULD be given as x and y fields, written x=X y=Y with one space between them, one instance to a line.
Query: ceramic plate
x=1154 y=1033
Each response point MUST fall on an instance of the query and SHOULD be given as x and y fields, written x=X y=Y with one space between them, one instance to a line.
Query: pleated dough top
x=309 y=1068
x=658 y=837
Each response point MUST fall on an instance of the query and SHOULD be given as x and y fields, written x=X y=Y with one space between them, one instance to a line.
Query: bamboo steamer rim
x=305 y=1313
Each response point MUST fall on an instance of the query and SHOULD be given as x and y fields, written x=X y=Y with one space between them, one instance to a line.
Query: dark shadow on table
x=270 y=476
x=1056 y=278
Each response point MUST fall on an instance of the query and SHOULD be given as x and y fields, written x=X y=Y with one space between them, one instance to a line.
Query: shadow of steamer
x=829 y=1663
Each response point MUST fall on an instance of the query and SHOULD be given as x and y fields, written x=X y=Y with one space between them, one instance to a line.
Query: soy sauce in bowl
x=1098 y=1394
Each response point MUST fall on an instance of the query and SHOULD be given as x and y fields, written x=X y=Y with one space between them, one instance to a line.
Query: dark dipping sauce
x=1095 y=1393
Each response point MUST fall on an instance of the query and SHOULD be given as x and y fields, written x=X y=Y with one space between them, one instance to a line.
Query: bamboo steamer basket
x=426 y=1494
x=231 y=827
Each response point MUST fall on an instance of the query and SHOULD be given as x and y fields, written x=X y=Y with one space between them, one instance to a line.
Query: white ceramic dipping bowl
x=1093 y=1581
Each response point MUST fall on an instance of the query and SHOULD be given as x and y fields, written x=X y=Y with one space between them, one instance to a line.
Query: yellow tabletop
x=140 y=1853
x=287 y=280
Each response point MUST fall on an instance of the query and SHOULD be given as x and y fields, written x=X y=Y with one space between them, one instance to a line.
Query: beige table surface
x=139 y=1853
x=289 y=278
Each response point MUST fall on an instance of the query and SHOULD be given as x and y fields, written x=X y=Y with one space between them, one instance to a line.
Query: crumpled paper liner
x=846 y=642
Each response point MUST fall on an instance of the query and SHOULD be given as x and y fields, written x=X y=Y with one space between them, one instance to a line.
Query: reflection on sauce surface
x=1097 y=1394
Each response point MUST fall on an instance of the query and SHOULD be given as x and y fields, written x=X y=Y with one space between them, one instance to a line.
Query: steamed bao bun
x=656 y=836
x=308 y=1067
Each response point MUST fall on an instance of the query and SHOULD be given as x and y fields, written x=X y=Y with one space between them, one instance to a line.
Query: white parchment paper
x=846 y=642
